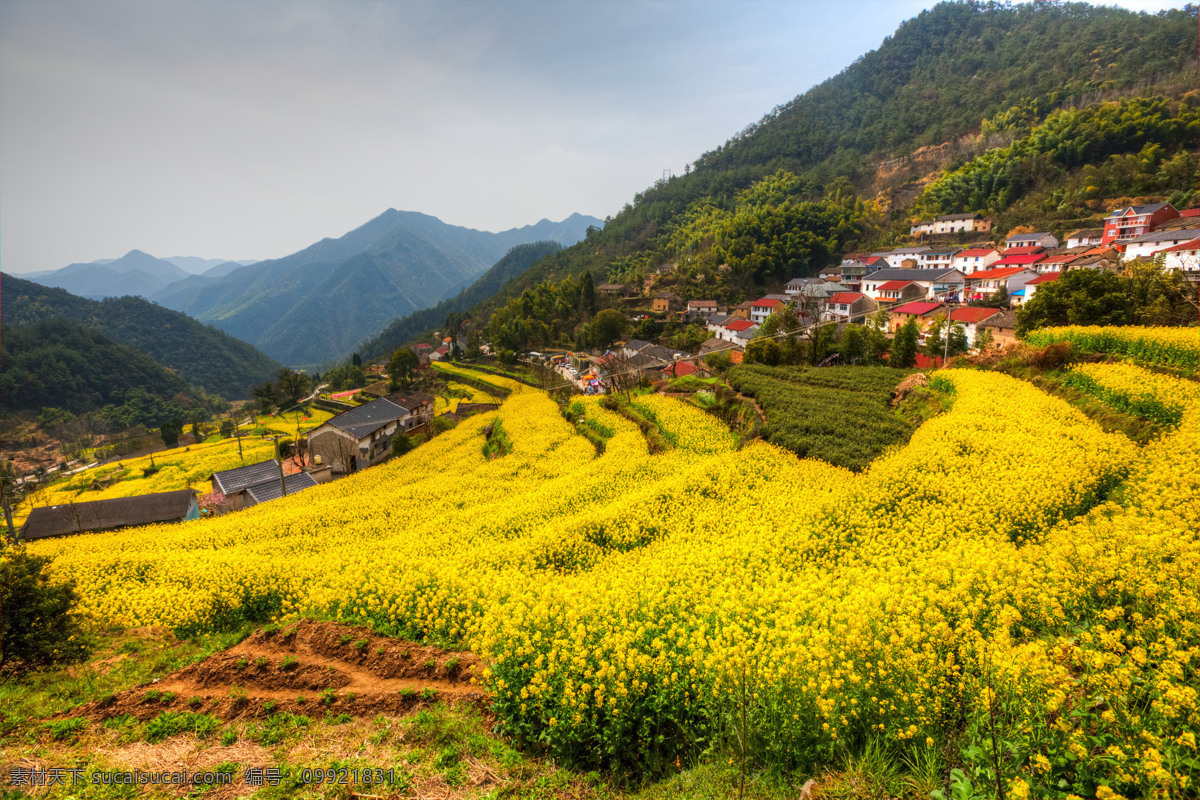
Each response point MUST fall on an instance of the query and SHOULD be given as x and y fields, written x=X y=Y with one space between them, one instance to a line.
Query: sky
x=249 y=130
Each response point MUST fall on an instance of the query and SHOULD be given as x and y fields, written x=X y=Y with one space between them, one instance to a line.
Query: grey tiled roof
x=235 y=480
x=1182 y=234
x=908 y=274
x=103 y=515
x=366 y=419
x=271 y=490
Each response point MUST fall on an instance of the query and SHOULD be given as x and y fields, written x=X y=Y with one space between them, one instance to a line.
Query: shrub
x=38 y=627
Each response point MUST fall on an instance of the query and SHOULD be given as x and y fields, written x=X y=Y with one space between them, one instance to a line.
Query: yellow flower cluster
x=1171 y=347
x=1137 y=389
x=640 y=602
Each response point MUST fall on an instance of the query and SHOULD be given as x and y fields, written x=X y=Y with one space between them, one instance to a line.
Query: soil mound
x=306 y=668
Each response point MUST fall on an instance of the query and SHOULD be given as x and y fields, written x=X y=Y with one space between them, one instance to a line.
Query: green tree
x=171 y=430
x=934 y=343
x=764 y=351
x=957 y=345
x=852 y=348
x=587 y=294
x=875 y=339
x=227 y=428
x=983 y=339
x=402 y=367
x=401 y=443
x=38 y=627
x=607 y=327
x=904 y=347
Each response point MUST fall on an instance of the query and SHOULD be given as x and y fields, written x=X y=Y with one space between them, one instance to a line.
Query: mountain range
x=313 y=306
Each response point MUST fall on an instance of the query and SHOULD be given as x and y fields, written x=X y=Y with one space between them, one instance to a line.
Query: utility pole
x=279 y=463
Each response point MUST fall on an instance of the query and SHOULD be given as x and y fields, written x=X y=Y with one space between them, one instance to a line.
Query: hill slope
x=204 y=356
x=515 y=263
x=314 y=305
x=65 y=365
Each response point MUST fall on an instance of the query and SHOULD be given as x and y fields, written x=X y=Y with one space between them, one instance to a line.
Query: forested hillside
x=59 y=364
x=202 y=355
x=1079 y=93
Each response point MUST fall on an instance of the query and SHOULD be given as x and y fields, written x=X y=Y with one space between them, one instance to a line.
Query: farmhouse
x=106 y=515
x=666 y=302
x=974 y=259
x=263 y=478
x=935 y=282
x=970 y=318
x=924 y=312
x=359 y=438
x=1042 y=239
x=848 y=307
x=1148 y=244
x=988 y=282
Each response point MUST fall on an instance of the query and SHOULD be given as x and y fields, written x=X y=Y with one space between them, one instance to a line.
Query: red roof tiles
x=972 y=314
x=892 y=286
x=918 y=308
x=846 y=297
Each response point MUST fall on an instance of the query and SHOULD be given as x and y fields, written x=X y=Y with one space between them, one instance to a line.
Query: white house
x=970 y=318
x=848 y=307
x=764 y=307
x=988 y=282
x=974 y=259
x=939 y=257
x=1031 y=287
x=1148 y=244
x=1184 y=257
x=960 y=223
x=1086 y=237
x=895 y=258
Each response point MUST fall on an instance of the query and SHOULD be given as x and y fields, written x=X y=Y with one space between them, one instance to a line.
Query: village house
x=616 y=290
x=1024 y=260
x=666 y=302
x=764 y=307
x=921 y=227
x=1134 y=221
x=741 y=310
x=633 y=347
x=892 y=292
x=680 y=369
x=1053 y=264
x=1184 y=258
x=1024 y=295
x=1148 y=244
x=937 y=283
x=1003 y=327
x=895 y=258
x=716 y=344
x=923 y=311
x=984 y=284
x=974 y=259
x=848 y=307
x=715 y=321
x=970 y=318
x=236 y=484
x=939 y=257
x=106 y=515
x=962 y=223
x=703 y=306
x=739 y=331
x=1042 y=239
x=359 y=438
x=1085 y=237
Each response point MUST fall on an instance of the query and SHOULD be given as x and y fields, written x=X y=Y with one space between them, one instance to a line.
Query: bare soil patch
x=305 y=668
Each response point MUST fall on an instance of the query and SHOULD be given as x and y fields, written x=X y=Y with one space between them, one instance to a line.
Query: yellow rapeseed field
x=1013 y=573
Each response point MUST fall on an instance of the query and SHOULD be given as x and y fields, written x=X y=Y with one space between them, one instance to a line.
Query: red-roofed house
x=1131 y=222
x=974 y=259
x=763 y=308
x=1019 y=261
x=923 y=312
x=848 y=307
x=680 y=368
x=986 y=283
x=897 y=292
x=738 y=331
x=1032 y=286
x=970 y=318
x=1025 y=250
